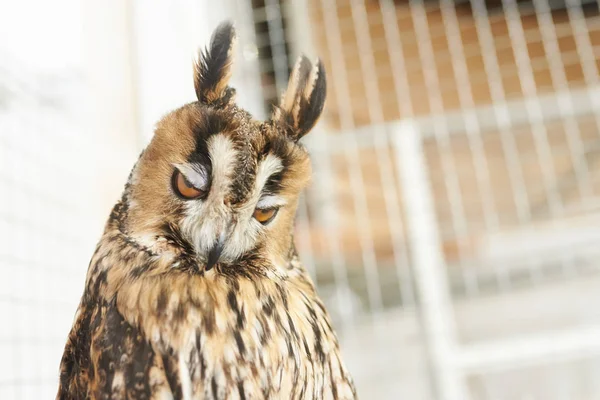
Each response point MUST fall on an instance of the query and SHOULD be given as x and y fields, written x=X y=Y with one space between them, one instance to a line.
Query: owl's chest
x=237 y=362
x=255 y=351
x=243 y=339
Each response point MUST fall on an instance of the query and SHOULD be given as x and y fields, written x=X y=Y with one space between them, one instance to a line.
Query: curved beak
x=215 y=253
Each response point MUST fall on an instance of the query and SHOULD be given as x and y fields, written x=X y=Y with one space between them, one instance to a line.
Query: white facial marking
x=222 y=156
x=269 y=166
x=207 y=219
x=270 y=201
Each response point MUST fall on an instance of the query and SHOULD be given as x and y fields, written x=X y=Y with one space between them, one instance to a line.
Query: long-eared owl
x=195 y=290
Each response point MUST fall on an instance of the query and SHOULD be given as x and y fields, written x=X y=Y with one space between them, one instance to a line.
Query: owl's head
x=216 y=182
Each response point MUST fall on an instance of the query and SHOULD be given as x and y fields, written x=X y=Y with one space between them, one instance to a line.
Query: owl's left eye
x=184 y=188
x=264 y=216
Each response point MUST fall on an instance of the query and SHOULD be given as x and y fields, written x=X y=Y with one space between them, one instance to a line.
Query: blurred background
x=453 y=223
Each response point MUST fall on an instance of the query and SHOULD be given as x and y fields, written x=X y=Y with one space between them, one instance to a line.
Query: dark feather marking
x=274 y=183
x=173 y=234
x=268 y=306
x=200 y=355
x=324 y=313
x=300 y=74
x=284 y=151
x=279 y=146
x=118 y=346
x=250 y=266
x=334 y=392
x=240 y=386
x=76 y=368
x=265 y=335
x=344 y=375
x=318 y=335
x=240 y=342
x=213 y=387
x=233 y=303
x=171 y=370
x=232 y=300
x=266 y=390
x=292 y=327
x=241 y=318
x=283 y=295
x=137 y=372
x=139 y=270
x=213 y=63
x=100 y=280
x=193 y=364
x=302 y=392
x=162 y=301
x=290 y=349
x=210 y=124
x=209 y=321
x=307 y=350
x=214 y=122
x=179 y=314
x=311 y=110
x=295 y=377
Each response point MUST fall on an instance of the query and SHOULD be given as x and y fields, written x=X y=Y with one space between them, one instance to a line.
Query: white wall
x=67 y=141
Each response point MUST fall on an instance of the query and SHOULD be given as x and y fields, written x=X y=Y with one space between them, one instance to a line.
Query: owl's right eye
x=184 y=189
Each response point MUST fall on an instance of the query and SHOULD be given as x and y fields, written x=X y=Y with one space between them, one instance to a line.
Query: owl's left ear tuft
x=302 y=103
x=212 y=70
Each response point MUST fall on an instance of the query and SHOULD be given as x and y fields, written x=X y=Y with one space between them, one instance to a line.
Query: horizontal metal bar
x=455 y=121
x=546 y=347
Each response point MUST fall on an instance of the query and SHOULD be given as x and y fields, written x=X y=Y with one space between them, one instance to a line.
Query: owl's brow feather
x=268 y=201
x=274 y=183
x=195 y=173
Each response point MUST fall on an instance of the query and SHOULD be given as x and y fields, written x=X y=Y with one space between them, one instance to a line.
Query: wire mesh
x=497 y=91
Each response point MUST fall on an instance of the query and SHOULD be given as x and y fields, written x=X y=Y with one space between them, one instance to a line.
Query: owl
x=195 y=289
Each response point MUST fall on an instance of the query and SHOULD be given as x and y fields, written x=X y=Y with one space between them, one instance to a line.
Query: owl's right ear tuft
x=302 y=103
x=212 y=70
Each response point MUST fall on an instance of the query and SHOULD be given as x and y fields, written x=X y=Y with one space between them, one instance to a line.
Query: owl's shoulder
x=105 y=354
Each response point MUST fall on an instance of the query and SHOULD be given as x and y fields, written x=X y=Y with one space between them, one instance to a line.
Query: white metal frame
x=451 y=362
x=428 y=263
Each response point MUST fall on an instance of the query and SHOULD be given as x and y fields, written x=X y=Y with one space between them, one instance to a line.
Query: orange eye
x=265 y=216
x=184 y=188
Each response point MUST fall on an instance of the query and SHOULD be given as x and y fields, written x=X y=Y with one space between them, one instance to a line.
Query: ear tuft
x=302 y=103
x=213 y=68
